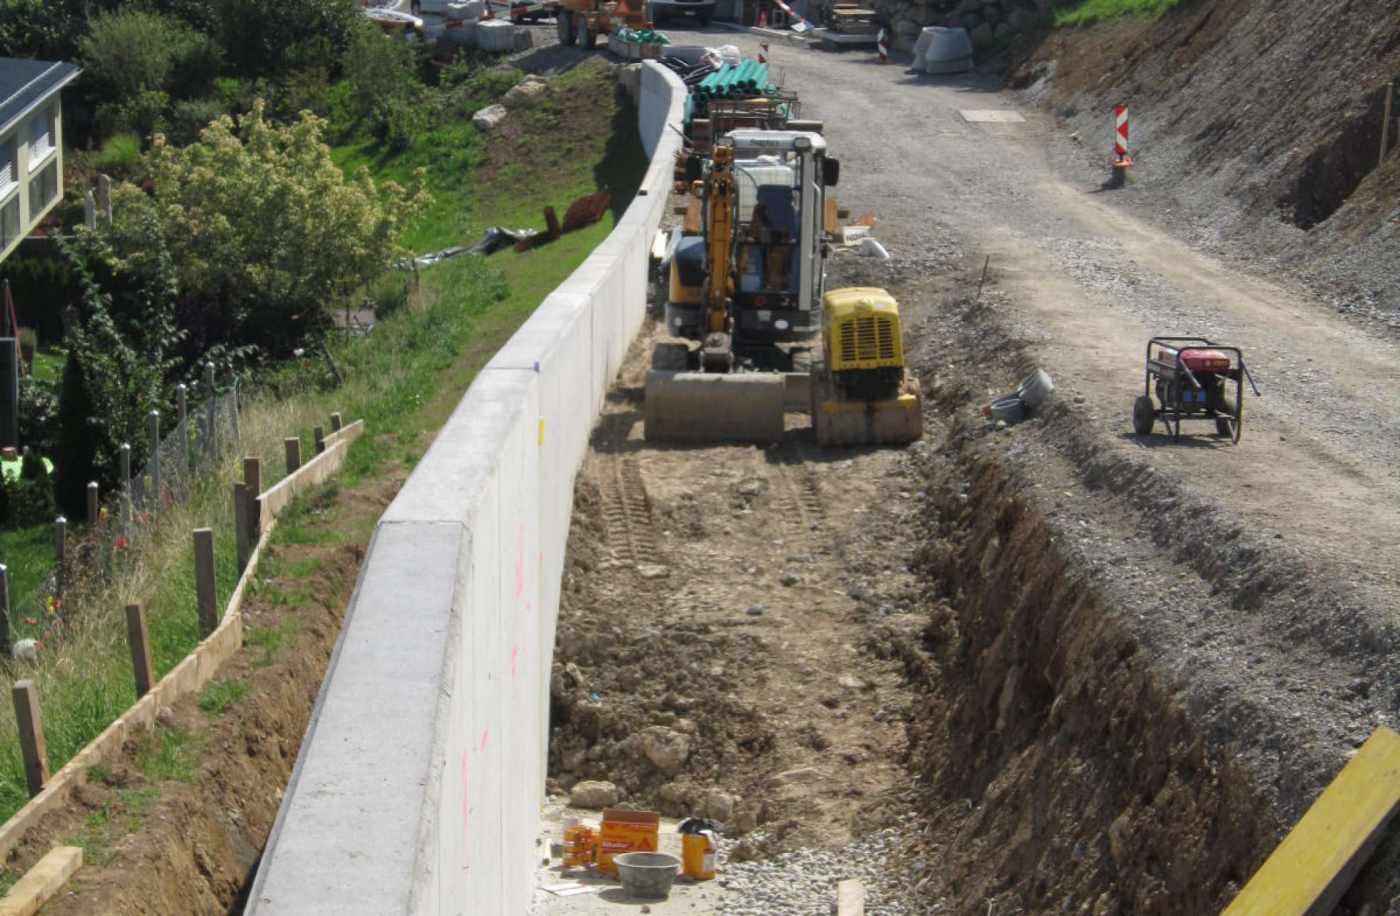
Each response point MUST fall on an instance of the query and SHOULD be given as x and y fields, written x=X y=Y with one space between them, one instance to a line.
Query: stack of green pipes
x=643 y=37
x=749 y=78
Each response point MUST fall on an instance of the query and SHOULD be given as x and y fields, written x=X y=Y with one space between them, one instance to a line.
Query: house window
x=43 y=188
x=41 y=133
x=9 y=168
x=10 y=227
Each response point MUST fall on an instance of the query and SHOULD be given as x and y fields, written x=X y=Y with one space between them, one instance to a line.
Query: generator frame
x=1174 y=377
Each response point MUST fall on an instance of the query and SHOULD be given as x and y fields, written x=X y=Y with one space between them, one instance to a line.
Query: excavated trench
x=1126 y=728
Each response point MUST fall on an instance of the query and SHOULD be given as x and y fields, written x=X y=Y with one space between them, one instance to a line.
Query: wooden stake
x=850 y=898
x=182 y=412
x=139 y=640
x=336 y=422
x=320 y=435
x=204 y=580
x=252 y=479
x=6 y=640
x=240 y=523
x=31 y=736
x=293 y=447
x=60 y=551
x=94 y=505
x=153 y=461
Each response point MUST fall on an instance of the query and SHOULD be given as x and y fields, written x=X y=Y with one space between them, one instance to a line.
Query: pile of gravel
x=804 y=881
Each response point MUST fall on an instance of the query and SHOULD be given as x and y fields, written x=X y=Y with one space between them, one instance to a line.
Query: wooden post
x=293 y=446
x=204 y=580
x=233 y=413
x=320 y=440
x=94 y=505
x=213 y=443
x=125 y=478
x=182 y=395
x=240 y=523
x=153 y=462
x=60 y=552
x=850 y=898
x=139 y=640
x=31 y=736
x=6 y=640
x=1385 y=122
x=336 y=422
x=252 y=479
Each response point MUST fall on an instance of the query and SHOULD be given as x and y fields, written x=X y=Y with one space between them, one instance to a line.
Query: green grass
x=169 y=754
x=48 y=366
x=403 y=380
x=28 y=555
x=1091 y=11
x=218 y=696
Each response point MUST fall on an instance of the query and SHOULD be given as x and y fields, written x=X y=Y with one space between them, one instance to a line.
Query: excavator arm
x=719 y=206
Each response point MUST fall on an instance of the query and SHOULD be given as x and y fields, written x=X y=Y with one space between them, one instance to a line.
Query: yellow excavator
x=746 y=298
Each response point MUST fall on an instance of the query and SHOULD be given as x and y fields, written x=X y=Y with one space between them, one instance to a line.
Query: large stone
x=593 y=794
x=525 y=92
x=489 y=118
x=666 y=748
x=983 y=36
x=719 y=805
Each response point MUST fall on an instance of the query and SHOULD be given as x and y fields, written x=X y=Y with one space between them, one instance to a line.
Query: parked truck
x=582 y=21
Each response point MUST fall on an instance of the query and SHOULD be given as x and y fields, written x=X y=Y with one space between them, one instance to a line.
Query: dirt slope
x=1255 y=122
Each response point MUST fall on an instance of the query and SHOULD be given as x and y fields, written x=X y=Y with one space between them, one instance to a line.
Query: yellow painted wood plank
x=1316 y=862
x=850 y=898
x=41 y=882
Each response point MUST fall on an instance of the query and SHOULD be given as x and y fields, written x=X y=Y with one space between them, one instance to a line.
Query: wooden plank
x=850 y=898
x=830 y=218
x=42 y=882
x=1314 y=865
x=694 y=216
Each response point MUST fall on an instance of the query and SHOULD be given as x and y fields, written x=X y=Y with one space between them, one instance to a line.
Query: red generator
x=1192 y=379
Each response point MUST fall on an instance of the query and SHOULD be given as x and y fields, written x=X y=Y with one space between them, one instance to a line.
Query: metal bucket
x=647 y=875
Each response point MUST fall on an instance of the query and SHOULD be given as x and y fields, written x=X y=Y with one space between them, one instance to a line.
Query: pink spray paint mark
x=466 y=813
x=514 y=654
x=485 y=737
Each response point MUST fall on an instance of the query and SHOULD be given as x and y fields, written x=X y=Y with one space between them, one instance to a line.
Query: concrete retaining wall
x=418 y=785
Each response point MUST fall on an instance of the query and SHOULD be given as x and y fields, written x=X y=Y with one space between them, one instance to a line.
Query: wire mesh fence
x=204 y=432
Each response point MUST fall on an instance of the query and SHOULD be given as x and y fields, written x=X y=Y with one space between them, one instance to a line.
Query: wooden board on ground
x=1314 y=865
x=41 y=882
x=990 y=116
x=830 y=218
x=850 y=898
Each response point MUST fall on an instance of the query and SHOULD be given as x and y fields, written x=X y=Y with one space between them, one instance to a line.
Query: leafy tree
x=76 y=456
x=265 y=229
x=270 y=36
x=121 y=341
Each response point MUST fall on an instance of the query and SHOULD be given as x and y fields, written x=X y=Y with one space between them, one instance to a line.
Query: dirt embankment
x=1274 y=107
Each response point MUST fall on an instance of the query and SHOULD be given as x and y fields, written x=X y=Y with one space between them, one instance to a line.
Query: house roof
x=26 y=84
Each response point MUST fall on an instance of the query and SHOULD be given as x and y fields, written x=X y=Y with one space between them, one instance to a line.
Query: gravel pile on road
x=804 y=881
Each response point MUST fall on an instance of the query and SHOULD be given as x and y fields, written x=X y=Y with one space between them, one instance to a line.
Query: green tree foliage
x=272 y=36
x=123 y=338
x=76 y=455
x=134 y=60
x=266 y=231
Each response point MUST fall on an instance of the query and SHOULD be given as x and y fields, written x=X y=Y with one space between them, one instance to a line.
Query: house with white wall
x=31 y=144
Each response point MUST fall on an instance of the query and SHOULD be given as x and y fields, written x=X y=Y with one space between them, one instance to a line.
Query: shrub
x=271 y=36
x=132 y=51
x=307 y=89
x=142 y=114
x=38 y=416
x=380 y=70
x=120 y=155
x=396 y=122
x=76 y=455
x=31 y=497
x=265 y=229
x=190 y=117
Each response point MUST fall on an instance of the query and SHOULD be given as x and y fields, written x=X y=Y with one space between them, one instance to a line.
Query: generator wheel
x=1231 y=425
x=1144 y=415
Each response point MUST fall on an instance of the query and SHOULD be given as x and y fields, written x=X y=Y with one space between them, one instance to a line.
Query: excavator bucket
x=711 y=407
x=895 y=420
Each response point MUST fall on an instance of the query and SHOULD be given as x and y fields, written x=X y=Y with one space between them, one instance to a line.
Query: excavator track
x=627 y=513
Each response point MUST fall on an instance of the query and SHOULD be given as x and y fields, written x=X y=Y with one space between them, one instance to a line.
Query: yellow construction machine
x=749 y=288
